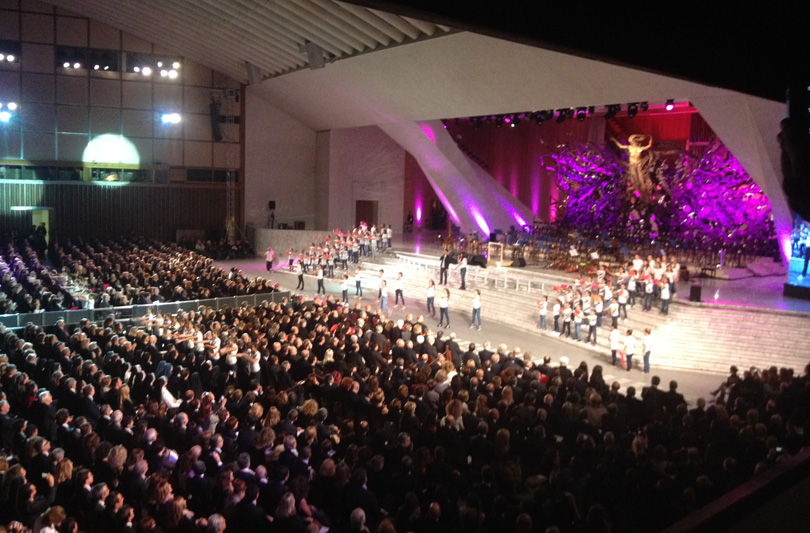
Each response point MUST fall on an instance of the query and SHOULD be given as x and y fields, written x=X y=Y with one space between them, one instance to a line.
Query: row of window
x=69 y=57
x=54 y=173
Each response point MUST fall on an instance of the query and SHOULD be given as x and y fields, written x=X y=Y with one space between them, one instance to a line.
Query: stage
x=761 y=292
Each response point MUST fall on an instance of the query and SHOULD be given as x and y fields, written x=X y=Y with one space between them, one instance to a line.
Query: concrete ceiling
x=458 y=75
x=270 y=35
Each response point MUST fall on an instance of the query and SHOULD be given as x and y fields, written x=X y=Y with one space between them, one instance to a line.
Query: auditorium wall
x=365 y=164
x=279 y=164
x=64 y=110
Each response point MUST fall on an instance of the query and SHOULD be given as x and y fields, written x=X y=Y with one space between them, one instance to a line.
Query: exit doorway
x=366 y=211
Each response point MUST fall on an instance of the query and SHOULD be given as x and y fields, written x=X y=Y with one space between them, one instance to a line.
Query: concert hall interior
x=220 y=207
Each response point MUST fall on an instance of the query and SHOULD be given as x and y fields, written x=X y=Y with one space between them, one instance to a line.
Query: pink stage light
x=507 y=120
x=429 y=133
x=419 y=214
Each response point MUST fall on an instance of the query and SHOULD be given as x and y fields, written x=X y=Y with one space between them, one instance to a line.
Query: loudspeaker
x=453 y=257
x=216 y=128
x=300 y=224
x=478 y=260
x=271 y=204
x=519 y=262
x=694 y=293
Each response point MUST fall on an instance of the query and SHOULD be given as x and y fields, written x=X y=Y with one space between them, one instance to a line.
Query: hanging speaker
x=271 y=204
x=216 y=127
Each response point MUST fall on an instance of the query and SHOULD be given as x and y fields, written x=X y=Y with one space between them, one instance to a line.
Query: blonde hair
x=310 y=407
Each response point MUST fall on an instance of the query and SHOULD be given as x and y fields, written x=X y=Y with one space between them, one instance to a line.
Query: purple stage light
x=429 y=133
x=711 y=202
x=418 y=214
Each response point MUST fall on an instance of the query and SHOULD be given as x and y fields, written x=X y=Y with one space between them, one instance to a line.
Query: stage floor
x=759 y=292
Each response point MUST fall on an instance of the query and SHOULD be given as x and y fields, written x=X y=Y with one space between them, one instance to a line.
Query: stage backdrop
x=519 y=157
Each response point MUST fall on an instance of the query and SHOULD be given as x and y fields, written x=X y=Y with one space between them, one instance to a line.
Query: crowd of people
x=340 y=249
x=303 y=416
x=26 y=284
x=125 y=271
x=221 y=248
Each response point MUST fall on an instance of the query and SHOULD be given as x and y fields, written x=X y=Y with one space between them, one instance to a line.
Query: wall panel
x=98 y=210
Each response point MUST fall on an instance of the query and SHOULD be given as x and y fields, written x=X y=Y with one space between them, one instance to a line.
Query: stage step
x=704 y=338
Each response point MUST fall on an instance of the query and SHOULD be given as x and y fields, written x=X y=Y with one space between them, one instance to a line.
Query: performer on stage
x=444 y=266
x=269 y=257
x=431 y=295
x=444 y=315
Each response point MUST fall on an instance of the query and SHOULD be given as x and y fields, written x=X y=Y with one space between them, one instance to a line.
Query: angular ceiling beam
x=352 y=19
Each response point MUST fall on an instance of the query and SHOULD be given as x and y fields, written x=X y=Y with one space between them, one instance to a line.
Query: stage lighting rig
x=632 y=109
x=612 y=111
x=670 y=104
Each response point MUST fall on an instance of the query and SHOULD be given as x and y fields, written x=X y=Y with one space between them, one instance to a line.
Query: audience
x=126 y=271
x=302 y=416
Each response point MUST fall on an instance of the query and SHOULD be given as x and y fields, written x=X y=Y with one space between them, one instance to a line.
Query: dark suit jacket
x=249 y=518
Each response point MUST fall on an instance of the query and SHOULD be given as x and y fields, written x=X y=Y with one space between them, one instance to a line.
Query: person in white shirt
x=444 y=315
x=622 y=298
x=398 y=290
x=476 y=310
x=380 y=281
x=646 y=346
x=319 y=277
x=344 y=286
x=269 y=257
x=632 y=287
x=629 y=348
x=615 y=340
x=358 y=289
x=384 y=296
x=252 y=356
x=665 y=296
x=566 y=317
x=613 y=308
x=658 y=273
x=638 y=262
x=591 y=327
x=299 y=271
x=543 y=305
x=167 y=397
x=462 y=268
x=599 y=307
x=649 y=289
x=431 y=295
x=676 y=269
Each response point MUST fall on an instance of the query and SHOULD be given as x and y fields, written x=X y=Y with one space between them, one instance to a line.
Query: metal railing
x=129 y=312
x=498 y=277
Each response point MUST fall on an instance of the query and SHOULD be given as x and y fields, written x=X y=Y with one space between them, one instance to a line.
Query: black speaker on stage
x=519 y=262
x=694 y=293
x=478 y=260
x=453 y=256
x=271 y=204
x=300 y=224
